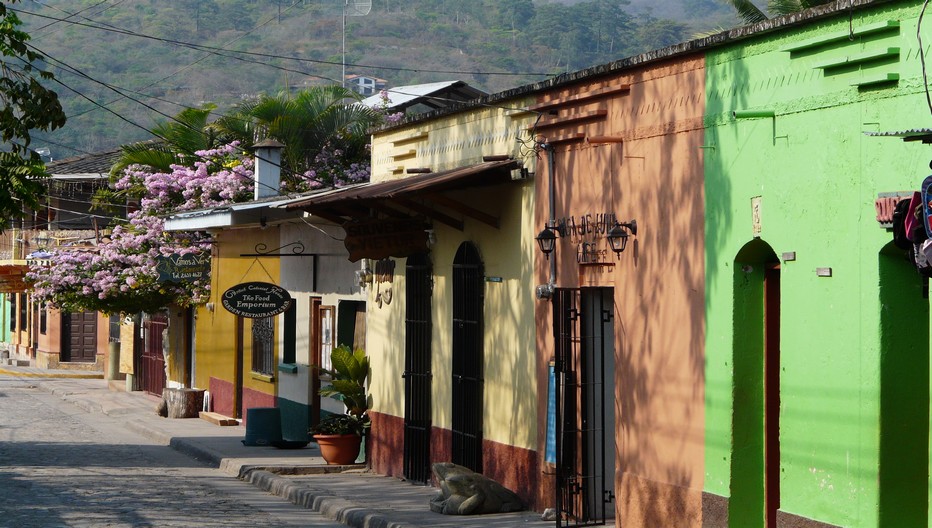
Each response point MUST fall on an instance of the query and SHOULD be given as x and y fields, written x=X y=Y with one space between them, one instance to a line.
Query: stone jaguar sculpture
x=464 y=492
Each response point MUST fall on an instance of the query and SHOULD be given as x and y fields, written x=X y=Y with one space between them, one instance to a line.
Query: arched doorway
x=468 y=298
x=755 y=449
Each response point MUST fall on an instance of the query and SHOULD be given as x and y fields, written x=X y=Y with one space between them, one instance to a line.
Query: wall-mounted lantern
x=618 y=236
x=547 y=240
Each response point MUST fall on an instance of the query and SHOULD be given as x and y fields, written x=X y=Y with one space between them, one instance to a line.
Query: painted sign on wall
x=256 y=300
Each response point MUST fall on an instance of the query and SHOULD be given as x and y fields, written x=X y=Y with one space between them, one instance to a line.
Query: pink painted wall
x=650 y=168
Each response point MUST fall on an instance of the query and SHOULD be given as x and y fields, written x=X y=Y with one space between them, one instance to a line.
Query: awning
x=391 y=218
x=419 y=195
x=255 y=212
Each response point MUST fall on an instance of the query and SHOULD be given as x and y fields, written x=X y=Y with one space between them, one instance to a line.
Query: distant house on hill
x=365 y=85
x=420 y=98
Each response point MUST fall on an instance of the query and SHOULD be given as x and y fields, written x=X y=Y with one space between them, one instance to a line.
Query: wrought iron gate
x=581 y=321
x=151 y=361
x=467 y=357
x=417 y=373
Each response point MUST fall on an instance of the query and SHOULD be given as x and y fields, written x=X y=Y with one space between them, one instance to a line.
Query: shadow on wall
x=660 y=323
x=904 y=392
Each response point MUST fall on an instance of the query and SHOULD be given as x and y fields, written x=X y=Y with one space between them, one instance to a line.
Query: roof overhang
x=423 y=195
x=257 y=213
x=915 y=134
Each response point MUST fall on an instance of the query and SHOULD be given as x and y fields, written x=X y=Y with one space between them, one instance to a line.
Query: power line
x=38 y=30
x=78 y=72
x=183 y=68
x=170 y=117
x=269 y=55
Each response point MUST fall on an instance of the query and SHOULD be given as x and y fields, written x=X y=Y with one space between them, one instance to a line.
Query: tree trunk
x=182 y=403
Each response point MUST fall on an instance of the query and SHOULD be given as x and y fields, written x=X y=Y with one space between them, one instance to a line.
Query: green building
x=817 y=344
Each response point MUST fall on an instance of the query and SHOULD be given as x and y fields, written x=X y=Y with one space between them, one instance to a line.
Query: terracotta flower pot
x=339 y=449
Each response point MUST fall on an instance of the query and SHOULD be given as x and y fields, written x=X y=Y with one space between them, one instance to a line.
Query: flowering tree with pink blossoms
x=119 y=275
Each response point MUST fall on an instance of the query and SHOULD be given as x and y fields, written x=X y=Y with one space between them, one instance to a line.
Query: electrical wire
x=922 y=55
x=122 y=118
x=38 y=31
x=202 y=47
x=203 y=58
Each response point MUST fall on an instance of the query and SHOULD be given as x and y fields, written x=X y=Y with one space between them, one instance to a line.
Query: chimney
x=268 y=167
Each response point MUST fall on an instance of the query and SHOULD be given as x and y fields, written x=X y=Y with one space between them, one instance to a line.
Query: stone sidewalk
x=347 y=494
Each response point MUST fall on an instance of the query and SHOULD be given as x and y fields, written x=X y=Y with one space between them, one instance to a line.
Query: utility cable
x=36 y=32
x=269 y=55
x=203 y=58
x=922 y=55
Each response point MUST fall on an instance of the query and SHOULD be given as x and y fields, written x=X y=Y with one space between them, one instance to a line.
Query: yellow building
x=447 y=221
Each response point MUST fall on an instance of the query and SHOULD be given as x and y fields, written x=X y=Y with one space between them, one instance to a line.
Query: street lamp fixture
x=618 y=236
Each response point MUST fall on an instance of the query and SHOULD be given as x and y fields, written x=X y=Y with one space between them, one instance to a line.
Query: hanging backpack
x=915 y=227
x=926 y=191
x=901 y=214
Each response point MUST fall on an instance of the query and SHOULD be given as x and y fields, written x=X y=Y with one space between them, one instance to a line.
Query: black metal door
x=417 y=376
x=584 y=369
x=467 y=357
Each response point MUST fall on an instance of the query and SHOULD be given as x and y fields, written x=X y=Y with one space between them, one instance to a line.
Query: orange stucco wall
x=643 y=161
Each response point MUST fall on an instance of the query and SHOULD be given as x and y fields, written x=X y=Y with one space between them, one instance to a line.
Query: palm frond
x=747 y=11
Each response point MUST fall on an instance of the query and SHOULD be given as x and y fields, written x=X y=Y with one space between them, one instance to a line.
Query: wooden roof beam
x=432 y=213
x=466 y=210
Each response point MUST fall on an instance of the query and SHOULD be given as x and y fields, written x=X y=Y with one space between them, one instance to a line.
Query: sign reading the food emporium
x=256 y=300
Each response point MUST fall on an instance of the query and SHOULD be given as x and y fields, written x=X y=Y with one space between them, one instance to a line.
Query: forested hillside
x=122 y=65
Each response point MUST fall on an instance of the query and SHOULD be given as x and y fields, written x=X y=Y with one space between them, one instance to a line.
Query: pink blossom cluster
x=119 y=275
x=332 y=167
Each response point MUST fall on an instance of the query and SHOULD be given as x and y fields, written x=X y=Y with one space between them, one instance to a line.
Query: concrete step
x=17 y=362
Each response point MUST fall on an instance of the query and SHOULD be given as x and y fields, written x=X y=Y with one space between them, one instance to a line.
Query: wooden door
x=79 y=337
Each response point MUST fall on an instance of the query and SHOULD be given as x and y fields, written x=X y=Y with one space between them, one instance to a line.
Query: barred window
x=263 y=350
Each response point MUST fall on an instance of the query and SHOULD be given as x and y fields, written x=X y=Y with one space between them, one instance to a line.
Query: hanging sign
x=256 y=300
x=179 y=268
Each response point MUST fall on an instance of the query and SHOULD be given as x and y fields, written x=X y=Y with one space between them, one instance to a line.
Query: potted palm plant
x=339 y=436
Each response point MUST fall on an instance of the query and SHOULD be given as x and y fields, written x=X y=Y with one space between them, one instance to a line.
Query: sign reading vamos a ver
x=256 y=300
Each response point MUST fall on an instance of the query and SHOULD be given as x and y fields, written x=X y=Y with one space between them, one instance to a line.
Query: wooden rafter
x=464 y=209
x=432 y=213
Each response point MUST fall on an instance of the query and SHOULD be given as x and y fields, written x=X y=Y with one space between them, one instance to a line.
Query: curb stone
x=335 y=508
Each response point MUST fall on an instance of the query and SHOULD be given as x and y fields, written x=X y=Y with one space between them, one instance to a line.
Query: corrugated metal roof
x=88 y=164
x=487 y=173
x=913 y=134
x=434 y=95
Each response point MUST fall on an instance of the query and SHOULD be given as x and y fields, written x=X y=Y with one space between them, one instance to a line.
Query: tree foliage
x=25 y=105
x=325 y=134
x=751 y=14
x=120 y=274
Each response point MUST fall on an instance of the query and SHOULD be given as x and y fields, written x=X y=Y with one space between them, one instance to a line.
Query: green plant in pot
x=339 y=436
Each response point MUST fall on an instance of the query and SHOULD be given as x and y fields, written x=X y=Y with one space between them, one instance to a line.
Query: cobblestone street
x=61 y=466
